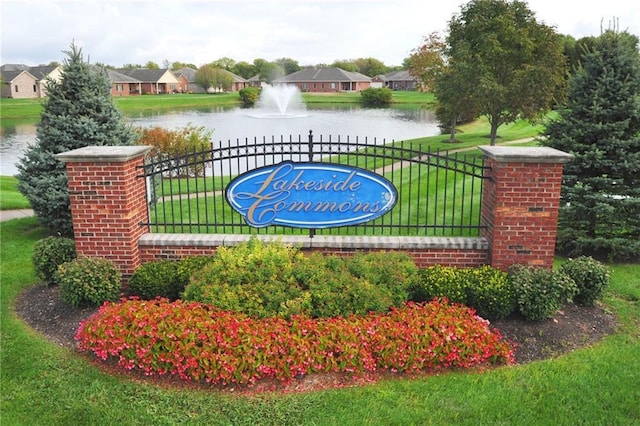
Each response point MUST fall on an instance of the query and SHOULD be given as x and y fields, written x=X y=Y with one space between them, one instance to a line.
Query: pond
x=230 y=124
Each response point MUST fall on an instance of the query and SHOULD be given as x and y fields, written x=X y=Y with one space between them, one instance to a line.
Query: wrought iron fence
x=439 y=193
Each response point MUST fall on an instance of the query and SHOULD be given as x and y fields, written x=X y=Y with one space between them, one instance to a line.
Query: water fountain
x=282 y=101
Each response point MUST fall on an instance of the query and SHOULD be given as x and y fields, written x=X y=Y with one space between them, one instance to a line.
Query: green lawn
x=45 y=384
x=29 y=109
x=10 y=197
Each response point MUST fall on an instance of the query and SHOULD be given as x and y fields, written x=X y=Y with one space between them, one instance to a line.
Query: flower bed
x=196 y=342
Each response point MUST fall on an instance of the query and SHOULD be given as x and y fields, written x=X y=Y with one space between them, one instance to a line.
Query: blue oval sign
x=310 y=195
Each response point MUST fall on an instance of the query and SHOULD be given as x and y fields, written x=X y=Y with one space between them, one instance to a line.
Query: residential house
x=122 y=84
x=153 y=81
x=43 y=73
x=399 y=80
x=22 y=81
x=314 y=79
x=19 y=84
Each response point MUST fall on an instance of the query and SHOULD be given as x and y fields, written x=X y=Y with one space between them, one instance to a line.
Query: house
x=122 y=84
x=188 y=75
x=44 y=72
x=19 y=84
x=314 y=79
x=399 y=80
x=153 y=81
x=22 y=81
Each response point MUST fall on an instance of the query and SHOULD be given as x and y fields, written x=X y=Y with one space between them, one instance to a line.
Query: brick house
x=322 y=80
x=153 y=81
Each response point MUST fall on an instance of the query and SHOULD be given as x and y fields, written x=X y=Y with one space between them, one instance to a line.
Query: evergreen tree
x=600 y=212
x=78 y=112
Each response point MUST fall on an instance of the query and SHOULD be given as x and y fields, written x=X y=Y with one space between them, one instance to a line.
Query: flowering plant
x=194 y=341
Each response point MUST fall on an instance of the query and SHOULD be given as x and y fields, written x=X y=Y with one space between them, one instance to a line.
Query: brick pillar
x=520 y=202
x=108 y=202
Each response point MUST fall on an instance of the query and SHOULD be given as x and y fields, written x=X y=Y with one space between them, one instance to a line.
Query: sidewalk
x=15 y=214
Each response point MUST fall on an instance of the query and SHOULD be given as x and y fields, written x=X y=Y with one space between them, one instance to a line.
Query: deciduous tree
x=514 y=63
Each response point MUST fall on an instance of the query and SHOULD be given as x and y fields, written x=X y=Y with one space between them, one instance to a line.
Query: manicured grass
x=12 y=109
x=45 y=384
x=10 y=197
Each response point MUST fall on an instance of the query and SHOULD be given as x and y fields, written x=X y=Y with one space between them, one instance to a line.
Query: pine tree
x=78 y=112
x=600 y=212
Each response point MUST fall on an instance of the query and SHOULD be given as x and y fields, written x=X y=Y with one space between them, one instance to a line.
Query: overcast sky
x=117 y=32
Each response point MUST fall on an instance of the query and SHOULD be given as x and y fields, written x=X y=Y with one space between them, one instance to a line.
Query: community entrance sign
x=310 y=195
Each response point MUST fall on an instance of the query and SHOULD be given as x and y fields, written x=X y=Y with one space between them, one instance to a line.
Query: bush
x=156 y=279
x=254 y=278
x=486 y=289
x=249 y=96
x=376 y=96
x=540 y=292
x=439 y=281
x=164 y=278
x=49 y=253
x=88 y=282
x=227 y=347
x=489 y=292
x=394 y=271
x=335 y=291
x=184 y=146
x=591 y=278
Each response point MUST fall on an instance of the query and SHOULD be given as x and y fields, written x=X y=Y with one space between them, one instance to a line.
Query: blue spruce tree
x=78 y=112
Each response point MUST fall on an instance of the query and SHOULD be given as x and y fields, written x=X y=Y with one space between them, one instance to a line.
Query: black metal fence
x=439 y=193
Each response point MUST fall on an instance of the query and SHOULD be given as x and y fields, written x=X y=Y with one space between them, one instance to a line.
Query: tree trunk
x=452 y=130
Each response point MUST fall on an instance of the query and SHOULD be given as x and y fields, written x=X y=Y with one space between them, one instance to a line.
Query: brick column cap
x=525 y=154
x=104 y=154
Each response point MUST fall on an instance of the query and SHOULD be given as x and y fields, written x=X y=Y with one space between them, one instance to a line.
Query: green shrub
x=394 y=271
x=156 y=279
x=540 y=292
x=88 y=281
x=489 y=292
x=249 y=96
x=439 y=281
x=335 y=291
x=376 y=96
x=49 y=253
x=254 y=278
x=591 y=278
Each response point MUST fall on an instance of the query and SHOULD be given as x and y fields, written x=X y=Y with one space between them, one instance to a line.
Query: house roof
x=14 y=67
x=322 y=75
x=147 y=75
x=189 y=73
x=402 y=75
x=9 y=76
x=118 y=77
x=41 y=72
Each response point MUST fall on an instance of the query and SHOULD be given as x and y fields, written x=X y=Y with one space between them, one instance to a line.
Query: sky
x=118 y=32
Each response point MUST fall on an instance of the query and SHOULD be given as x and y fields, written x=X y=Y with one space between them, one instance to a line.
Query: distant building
x=322 y=80
x=398 y=80
x=22 y=81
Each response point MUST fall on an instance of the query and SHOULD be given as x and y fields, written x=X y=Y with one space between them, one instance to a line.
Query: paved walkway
x=15 y=214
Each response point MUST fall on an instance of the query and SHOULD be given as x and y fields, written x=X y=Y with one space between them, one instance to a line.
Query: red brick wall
x=108 y=203
x=520 y=203
x=520 y=209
